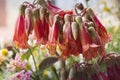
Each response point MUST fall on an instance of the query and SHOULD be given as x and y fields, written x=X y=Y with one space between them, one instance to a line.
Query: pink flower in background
x=16 y=63
x=22 y=75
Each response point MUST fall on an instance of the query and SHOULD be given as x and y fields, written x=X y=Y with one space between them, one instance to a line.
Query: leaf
x=103 y=66
x=47 y=62
x=28 y=53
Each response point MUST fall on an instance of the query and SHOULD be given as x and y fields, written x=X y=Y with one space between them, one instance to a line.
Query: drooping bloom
x=53 y=35
x=89 y=48
x=84 y=38
x=28 y=21
x=68 y=45
x=44 y=16
x=96 y=39
x=38 y=27
x=76 y=36
x=100 y=29
x=20 y=36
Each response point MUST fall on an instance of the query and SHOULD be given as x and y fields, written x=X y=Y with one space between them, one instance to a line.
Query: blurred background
x=107 y=12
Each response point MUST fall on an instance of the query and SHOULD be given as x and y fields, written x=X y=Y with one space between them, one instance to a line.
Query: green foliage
x=28 y=53
x=114 y=45
x=47 y=62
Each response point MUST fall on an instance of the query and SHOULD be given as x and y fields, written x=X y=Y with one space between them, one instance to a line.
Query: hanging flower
x=44 y=16
x=68 y=45
x=20 y=36
x=28 y=21
x=89 y=48
x=99 y=28
x=54 y=35
x=38 y=27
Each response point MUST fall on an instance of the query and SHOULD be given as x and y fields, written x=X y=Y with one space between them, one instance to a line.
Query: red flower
x=44 y=18
x=53 y=36
x=89 y=48
x=76 y=36
x=100 y=29
x=96 y=39
x=68 y=45
x=20 y=35
x=38 y=28
x=28 y=21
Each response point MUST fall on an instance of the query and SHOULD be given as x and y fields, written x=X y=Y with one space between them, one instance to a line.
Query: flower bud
x=42 y=11
x=78 y=20
x=22 y=9
x=74 y=30
x=28 y=20
x=91 y=31
x=87 y=17
x=36 y=14
x=56 y=17
x=67 y=17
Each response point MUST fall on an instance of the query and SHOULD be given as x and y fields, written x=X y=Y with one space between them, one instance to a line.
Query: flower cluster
x=16 y=63
x=22 y=75
x=71 y=31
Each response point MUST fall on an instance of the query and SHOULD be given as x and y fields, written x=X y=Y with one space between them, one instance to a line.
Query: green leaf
x=28 y=53
x=103 y=66
x=47 y=62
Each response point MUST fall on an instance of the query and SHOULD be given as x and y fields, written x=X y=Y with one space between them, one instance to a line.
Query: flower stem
x=37 y=76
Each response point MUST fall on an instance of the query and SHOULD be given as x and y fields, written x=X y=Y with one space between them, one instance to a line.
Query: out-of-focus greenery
x=114 y=45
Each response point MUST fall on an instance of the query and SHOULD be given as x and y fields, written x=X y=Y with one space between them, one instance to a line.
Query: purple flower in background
x=22 y=75
x=16 y=63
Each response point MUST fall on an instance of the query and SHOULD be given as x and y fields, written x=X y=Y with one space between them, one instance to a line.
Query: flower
x=44 y=16
x=16 y=63
x=54 y=35
x=2 y=58
x=20 y=36
x=100 y=29
x=38 y=27
x=28 y=21
x=22 y=75
x=89 y=48
x=4 y=52
x=68 y=45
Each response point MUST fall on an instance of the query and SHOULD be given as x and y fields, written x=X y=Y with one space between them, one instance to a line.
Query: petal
x=54 y=32
x=84 y=38
x=28 y=21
